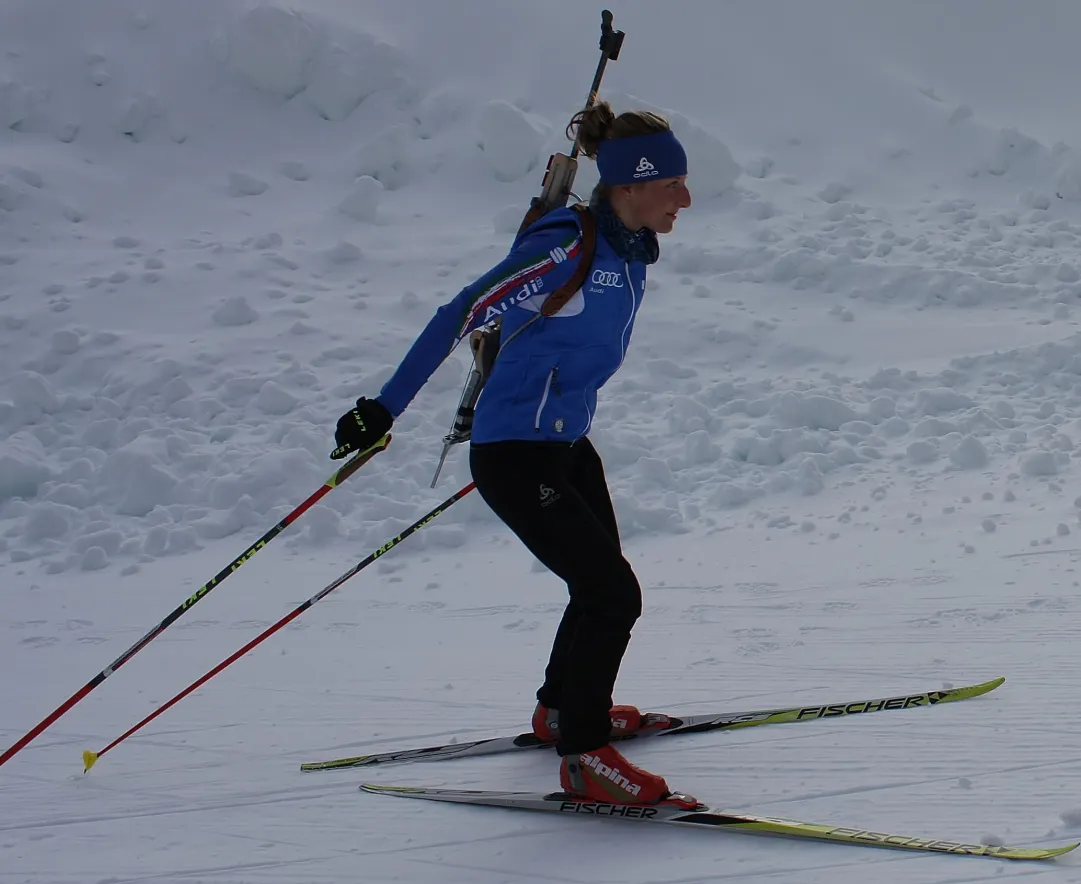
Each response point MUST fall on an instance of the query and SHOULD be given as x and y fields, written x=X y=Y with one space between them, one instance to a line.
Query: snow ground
x=842 y=445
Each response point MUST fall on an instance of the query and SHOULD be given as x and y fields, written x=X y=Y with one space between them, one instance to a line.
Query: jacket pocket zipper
x=551 y=385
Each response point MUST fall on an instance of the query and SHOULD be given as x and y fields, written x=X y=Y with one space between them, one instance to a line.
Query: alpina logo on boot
x=611 y=773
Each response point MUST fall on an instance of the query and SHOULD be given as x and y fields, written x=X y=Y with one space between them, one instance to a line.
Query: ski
x=691 y=724
x=706 y=817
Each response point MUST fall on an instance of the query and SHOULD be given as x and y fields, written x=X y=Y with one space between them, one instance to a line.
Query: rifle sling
x=557 y=299
x=486 y=344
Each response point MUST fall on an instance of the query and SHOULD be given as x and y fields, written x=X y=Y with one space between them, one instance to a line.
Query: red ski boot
x=626 y=720
x=606 y=776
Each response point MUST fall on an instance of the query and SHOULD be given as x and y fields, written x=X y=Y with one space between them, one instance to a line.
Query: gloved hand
x=361 y=427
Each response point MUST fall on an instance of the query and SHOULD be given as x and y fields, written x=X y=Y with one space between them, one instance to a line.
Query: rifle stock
x=558 y=182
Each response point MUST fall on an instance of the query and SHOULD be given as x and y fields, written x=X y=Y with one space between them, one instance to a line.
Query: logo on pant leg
x=548 y=495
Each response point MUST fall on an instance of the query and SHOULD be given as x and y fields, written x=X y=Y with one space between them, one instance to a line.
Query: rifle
x=556 y=190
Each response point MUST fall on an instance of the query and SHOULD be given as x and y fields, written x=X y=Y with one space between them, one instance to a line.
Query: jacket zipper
x=544 y=399
x=622 y=340
x=630 y=318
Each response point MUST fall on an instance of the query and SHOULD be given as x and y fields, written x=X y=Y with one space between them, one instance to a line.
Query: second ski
x=714 y=819
x=692 y=724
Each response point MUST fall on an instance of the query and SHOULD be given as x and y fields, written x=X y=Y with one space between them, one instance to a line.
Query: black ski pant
x=554 y=497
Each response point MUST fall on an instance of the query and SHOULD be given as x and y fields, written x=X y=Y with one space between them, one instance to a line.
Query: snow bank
x=221 y=223
x=510 y=139
x=284 y=53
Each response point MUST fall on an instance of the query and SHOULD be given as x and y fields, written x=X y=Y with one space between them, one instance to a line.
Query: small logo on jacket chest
x=605 y=279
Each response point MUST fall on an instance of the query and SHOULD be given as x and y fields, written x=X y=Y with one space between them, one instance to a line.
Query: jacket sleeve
x=540 y=261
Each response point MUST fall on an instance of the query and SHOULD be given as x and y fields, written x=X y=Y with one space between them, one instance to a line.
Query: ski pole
x=343 y=473
x=90 y=758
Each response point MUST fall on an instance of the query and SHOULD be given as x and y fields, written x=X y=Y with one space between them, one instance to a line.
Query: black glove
x=361 y=427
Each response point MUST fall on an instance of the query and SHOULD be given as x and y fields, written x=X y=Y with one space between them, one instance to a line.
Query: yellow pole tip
x=89 y=760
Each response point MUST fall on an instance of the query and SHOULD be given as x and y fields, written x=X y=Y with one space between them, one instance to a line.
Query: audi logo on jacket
x=607 y=277
x=544 y=383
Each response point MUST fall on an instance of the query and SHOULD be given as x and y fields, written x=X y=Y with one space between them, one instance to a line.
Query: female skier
x=530 y=456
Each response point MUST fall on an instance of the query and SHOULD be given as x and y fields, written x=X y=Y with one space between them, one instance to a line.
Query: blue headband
x=641 y=158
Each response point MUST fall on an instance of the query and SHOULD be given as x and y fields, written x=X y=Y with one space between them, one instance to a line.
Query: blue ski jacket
x=543 y=385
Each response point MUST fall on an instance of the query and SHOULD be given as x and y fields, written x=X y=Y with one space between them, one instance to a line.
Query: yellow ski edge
x=336 y=763
x=398 y=790
x=974 y=690
x=847 y=835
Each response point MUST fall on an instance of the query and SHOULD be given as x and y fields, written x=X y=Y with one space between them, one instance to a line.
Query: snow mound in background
x=272 y=49
x=284 y=53
x=173 y=71
x=510 y=139
x=306 y=194
x=386 y=158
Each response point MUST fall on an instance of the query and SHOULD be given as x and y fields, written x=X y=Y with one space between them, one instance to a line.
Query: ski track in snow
x=841 y=448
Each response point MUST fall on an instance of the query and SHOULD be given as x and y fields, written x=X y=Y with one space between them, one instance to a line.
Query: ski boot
x=605 y=776
x=626 y=720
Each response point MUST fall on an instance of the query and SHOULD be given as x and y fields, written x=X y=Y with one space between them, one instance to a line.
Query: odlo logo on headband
x=645 y=169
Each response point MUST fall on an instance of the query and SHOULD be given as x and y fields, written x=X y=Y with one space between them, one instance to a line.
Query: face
x=655 y=204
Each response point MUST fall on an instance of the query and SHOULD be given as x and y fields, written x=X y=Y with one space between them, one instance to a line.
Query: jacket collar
x=629 y=245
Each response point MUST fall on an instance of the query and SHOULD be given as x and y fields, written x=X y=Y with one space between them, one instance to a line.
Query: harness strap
x=557 y=299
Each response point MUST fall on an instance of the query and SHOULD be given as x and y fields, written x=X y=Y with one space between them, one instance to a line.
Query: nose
x=685 y=196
